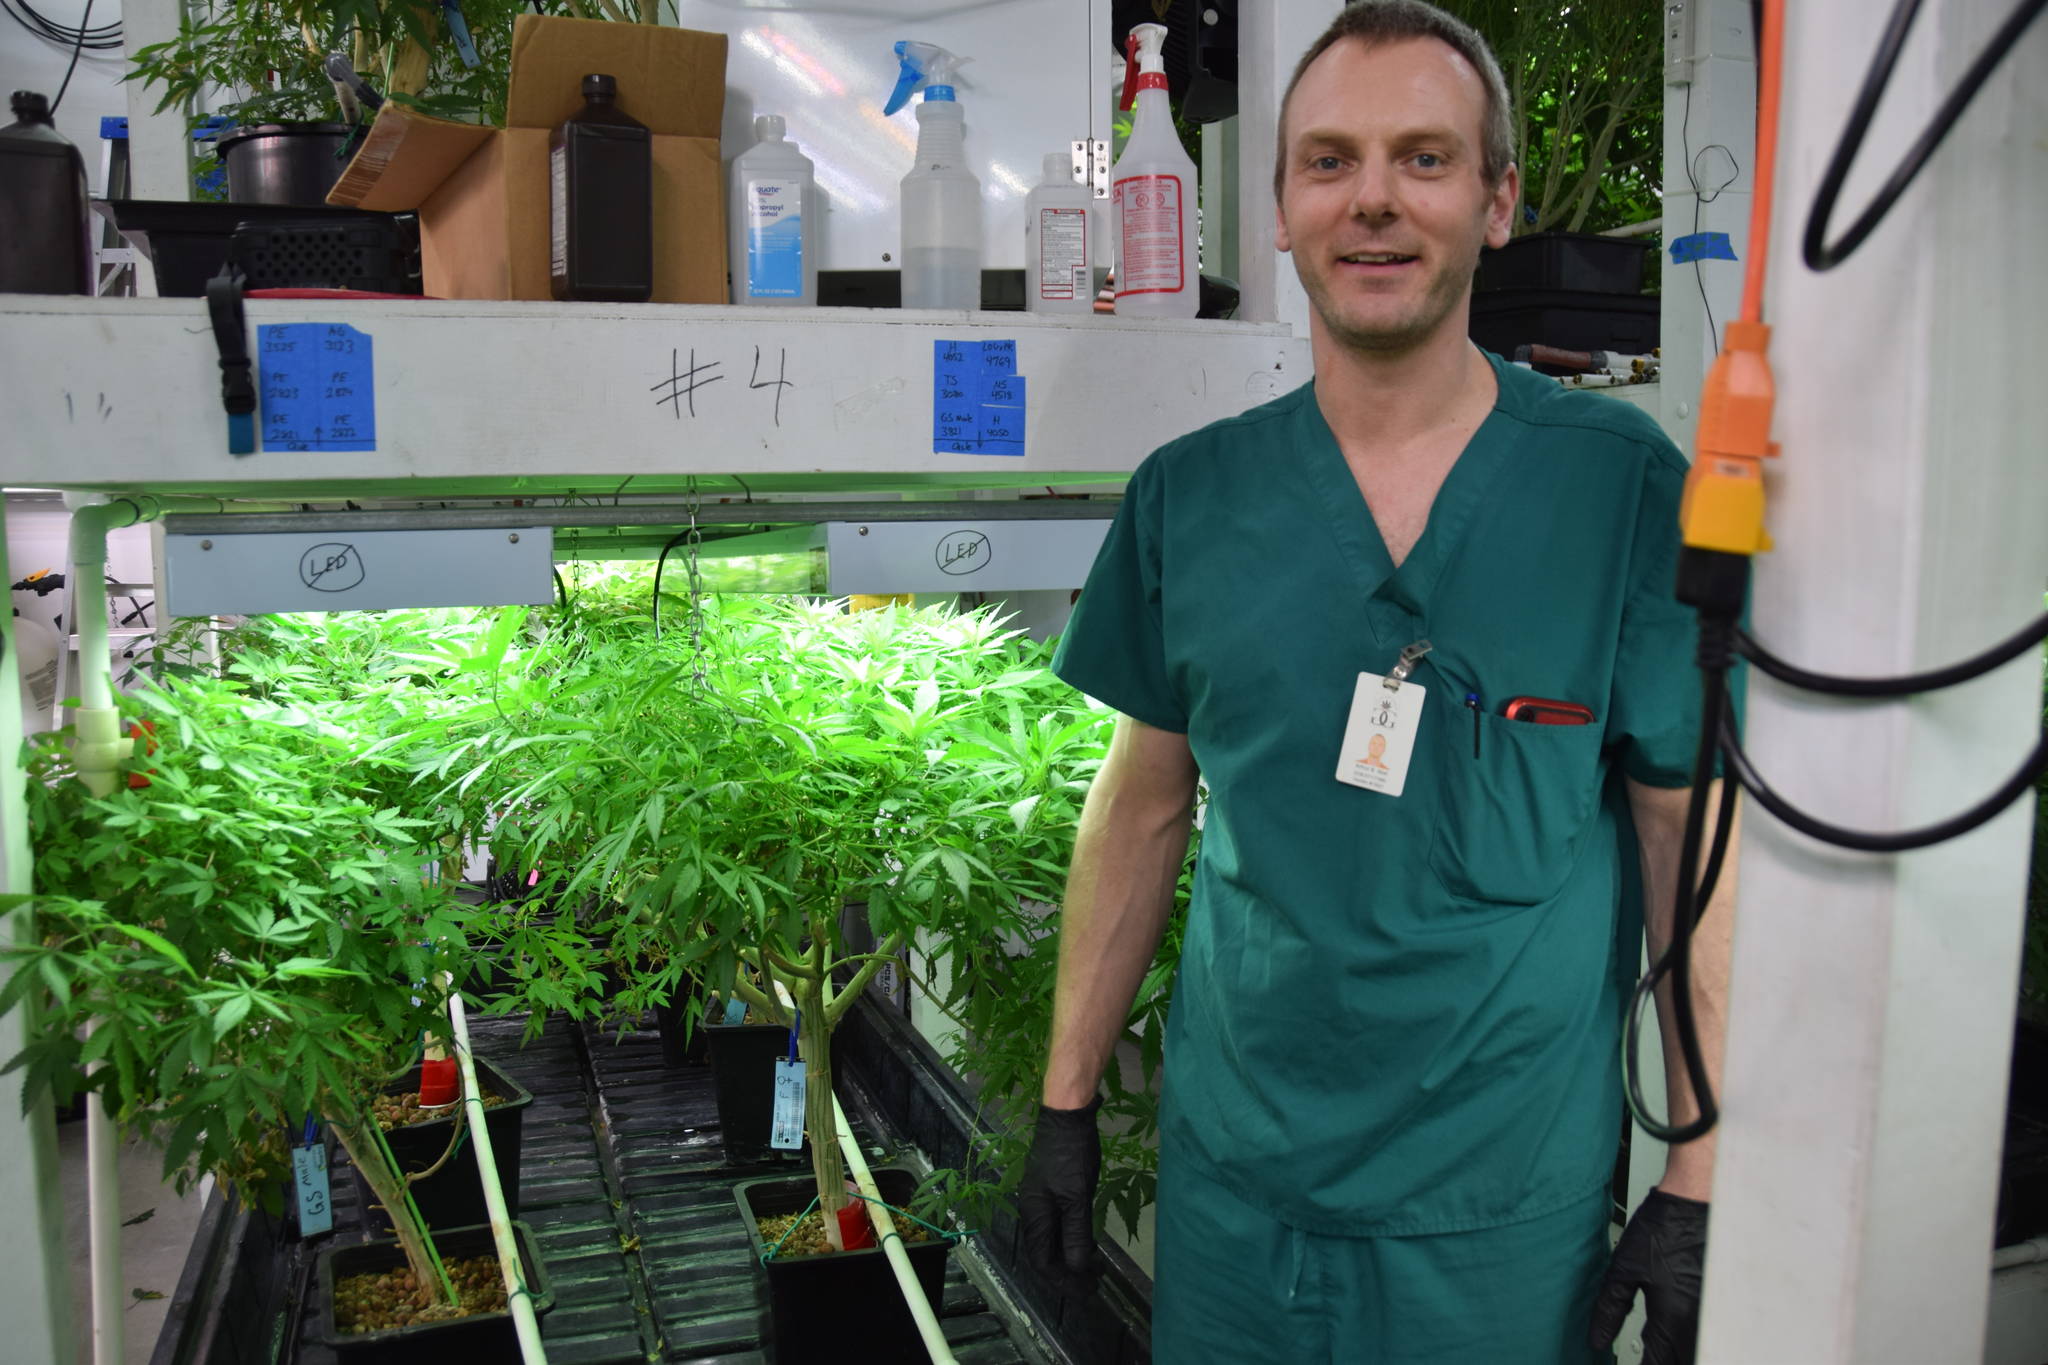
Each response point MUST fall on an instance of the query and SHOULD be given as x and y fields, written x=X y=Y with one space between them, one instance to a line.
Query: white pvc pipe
x=97 y=753
x=517 y=1296
x=892 y=1245
x=2020 y=1253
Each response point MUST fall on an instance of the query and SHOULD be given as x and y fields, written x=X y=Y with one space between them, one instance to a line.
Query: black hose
x=1931 y=681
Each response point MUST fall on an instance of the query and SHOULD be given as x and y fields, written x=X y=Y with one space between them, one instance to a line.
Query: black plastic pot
x=845 y=1306
x=480 y=1337
x=453 y=1197
x=283 y=163
x=743 y=1074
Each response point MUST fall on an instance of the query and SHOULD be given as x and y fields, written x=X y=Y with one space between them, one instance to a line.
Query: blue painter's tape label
x=318 y=387
x=978 y=405
x=1702 y=246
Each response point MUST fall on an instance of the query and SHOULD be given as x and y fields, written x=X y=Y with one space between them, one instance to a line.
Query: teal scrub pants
x=1233 y=1286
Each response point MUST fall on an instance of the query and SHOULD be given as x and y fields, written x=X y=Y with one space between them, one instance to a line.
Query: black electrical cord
x=76 y=48
x=1700 y=197
x=1689 y=902
x=561 y=589
x=1931 y=681
x=1866 y=841
x=673 y=541
x=99 y=38
x=1824 y=255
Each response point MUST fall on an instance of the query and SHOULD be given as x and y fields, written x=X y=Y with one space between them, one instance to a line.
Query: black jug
x=601 y=164
x=45 y=219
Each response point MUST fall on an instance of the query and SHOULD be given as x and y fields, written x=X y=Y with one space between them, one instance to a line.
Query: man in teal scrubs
x=1392 y=1090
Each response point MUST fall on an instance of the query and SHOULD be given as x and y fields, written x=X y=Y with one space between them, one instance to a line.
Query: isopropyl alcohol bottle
x=941 y=242
x=1059 y=221
x=601 y=201
x=1153 y=189
x=774 y=221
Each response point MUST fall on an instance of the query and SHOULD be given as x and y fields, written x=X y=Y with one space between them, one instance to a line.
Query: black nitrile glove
x=1056 y=1200
x=1662 y=1252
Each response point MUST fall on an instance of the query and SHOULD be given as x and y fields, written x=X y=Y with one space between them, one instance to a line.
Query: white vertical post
x=1271 y=36
x=35 y=1294
x=159 y=147
x=1873 y=997
x=1709 y=131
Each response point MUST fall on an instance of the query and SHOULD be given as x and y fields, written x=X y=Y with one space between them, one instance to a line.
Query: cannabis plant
x=233 y=940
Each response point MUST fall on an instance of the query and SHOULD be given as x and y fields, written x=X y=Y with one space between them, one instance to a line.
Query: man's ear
x=1500 y=213
x=1281 y=241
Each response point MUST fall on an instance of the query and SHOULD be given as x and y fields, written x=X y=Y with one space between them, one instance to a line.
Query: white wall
x=28 y=62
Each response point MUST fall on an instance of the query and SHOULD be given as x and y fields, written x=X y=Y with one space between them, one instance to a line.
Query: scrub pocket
x=1514 y=819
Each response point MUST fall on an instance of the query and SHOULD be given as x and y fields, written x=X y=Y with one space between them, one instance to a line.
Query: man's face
x=1384 y=205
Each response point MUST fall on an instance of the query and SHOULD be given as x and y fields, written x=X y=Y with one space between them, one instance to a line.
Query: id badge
x=786 y=1128
x=1379 y=737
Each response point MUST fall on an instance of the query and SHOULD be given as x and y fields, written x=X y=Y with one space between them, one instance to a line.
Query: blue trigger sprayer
x=941 y=199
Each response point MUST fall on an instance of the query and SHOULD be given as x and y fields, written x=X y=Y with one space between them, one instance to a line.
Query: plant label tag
x=1379 y=738
x=735 y=1011
x=787 y=1131
x=309 y=1175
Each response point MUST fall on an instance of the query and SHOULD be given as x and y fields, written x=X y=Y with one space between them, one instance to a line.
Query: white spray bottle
x=774 y=232
x=1153 y=188
x=1059 y=221
x=941 y=243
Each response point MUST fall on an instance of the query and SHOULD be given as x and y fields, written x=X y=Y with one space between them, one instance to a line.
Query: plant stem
x=388 y=1185
x=843 y=1002
x=828 y=1164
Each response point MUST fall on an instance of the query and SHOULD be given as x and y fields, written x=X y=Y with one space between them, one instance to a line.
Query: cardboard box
x=482 y=193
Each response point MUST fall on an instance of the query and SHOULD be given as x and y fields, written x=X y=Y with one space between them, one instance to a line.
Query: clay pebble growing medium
x=393 y=1298
x=809 y=1237
x=400 y=1111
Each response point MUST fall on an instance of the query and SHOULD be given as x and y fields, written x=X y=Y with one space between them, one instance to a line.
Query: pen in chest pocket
x=1472 y=705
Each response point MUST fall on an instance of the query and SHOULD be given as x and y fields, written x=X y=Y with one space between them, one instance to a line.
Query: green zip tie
x=419 y=1220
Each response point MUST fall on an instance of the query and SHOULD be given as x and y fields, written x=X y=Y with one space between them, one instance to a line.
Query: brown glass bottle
x=45 y=224
x=601 y=210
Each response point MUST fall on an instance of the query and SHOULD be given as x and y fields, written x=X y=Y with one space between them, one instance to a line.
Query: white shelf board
x=537 y=399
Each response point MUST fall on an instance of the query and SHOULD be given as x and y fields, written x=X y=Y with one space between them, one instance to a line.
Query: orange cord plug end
x=1723 y=508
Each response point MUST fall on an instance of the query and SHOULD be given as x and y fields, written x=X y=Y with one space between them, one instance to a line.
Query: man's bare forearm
x=1132 y=841
x=1689 y=1168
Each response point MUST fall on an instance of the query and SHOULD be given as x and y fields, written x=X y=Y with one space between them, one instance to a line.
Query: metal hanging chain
x=696 y=577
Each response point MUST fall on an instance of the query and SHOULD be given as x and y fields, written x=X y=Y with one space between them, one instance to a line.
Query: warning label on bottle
x=1149 y=210
x=1062 y=253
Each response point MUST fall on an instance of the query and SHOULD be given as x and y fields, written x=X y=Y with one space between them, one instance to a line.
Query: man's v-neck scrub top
x=1401 y=1015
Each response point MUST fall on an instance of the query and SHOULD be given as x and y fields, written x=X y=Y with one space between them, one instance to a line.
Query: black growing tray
x=187 y=243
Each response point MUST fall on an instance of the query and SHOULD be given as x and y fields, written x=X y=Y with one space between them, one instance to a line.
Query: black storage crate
x=479 y=1337
x=1567 y=319
x=369 y=252
x=187 y=244
x=453 y=1196
x=1565 y=260
x=845 y=1306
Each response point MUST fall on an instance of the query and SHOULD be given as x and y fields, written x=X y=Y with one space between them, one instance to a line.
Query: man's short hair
x=1373 y=22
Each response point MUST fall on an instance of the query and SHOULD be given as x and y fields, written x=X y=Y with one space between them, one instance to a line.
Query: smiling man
x=1392 y=1094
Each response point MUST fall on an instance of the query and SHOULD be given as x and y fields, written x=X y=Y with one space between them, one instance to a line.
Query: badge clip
x=1410 y=657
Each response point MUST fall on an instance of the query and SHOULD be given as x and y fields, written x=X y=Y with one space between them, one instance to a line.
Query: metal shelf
x=524 y=400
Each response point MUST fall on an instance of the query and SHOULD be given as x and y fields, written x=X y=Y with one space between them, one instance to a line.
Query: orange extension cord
x=1723 y=508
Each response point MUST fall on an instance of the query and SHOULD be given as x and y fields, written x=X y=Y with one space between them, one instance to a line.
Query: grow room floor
x=623 y=1180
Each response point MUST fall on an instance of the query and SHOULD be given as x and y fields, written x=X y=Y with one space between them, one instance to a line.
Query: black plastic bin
x=453 y=1196
x=743 y=1075
x=1565 y=260
x=480 y=1337
x=846 y=1306
x=1567 y=319
x=187 y=244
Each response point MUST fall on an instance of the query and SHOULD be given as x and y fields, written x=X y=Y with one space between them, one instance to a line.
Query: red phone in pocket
x=1543 y=711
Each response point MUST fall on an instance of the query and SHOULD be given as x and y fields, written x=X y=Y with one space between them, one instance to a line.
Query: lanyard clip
x=1410 y=657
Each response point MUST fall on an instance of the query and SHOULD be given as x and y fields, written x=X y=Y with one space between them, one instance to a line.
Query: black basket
x=1565 y=260
x=1571 y=320
x=376 y=253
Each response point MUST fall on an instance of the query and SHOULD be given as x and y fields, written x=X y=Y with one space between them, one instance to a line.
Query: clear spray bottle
x=941 y=199
x=1153 y=189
